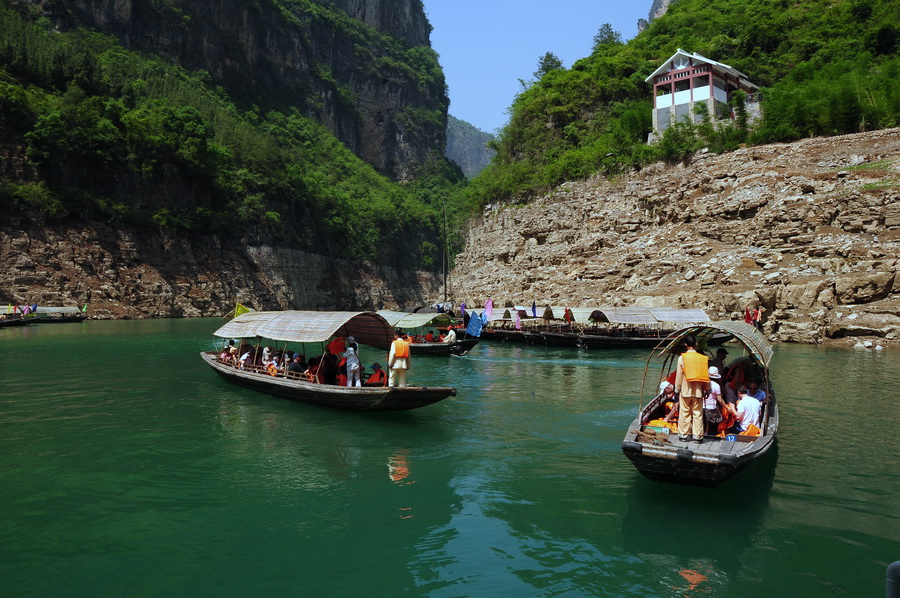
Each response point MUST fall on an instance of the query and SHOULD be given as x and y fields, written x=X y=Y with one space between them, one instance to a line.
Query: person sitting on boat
x=266 y=355
x=429 y=338
x=691 y=380
x=670 y=401
x=351 y=361
x=398 y=359
x=245 y=360
x=298 y=365
x=450 y=337
x=313 y=370
x=378 y=377
x=747 y=411
x=755 y=391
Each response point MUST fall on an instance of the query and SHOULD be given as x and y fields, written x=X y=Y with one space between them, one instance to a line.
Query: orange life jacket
x=696 y=366
x=376 y=379
x=401 y=348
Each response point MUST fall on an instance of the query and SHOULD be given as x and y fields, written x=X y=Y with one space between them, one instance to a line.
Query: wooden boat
x=10 y=321
x=58 y=315
x=368 y=328
x=418 y=322
x=659 y=455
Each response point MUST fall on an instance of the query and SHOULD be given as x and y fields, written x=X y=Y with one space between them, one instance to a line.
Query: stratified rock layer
x=809 y=230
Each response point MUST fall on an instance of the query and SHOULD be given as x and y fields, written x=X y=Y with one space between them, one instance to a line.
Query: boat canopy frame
x=751 y=340
x=367 y=328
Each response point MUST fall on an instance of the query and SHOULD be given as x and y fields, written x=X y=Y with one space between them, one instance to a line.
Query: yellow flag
x=240 y=309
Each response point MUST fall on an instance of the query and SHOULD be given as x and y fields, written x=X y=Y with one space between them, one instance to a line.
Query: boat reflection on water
x=699 y=532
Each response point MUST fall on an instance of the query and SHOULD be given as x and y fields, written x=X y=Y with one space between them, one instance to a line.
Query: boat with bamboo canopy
x=301 y=328
x=416 y=325
x=655 y=449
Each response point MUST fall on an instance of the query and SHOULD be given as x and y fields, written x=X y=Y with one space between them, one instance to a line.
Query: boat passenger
x=328 y=368
x=670 y=401
x=313 y=370
x=298 y=366
x=398 y=359
x=450 y=338
x=378 y=377
x=756 y=392
x=429 y=338
x=351 y=361
x=713 y=403
x=691 y=380
x=267 y=355
x=245 y=360
x=719 y=361
x=747 y=411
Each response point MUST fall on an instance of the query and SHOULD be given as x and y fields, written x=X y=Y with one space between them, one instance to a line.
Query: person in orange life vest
x=378 y=377
x=429 y=338
x=398 y=360
x=691 y=380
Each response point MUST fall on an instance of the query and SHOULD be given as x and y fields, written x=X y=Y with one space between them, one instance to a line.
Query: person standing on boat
x=352 y=362
x=398 y=360
x=691 y=380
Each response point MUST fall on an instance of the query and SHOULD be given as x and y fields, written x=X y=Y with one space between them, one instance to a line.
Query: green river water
x=129 y=468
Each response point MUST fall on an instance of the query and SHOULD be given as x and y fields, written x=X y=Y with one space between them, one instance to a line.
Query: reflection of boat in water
x=410 y=322
x=660 y=456
x=367 y=328
x=691 y=524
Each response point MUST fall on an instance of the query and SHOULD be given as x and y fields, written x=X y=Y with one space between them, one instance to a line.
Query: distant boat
x=420 y=322
x=367 y=328
x=58 y=315
x=10 y=321
x=659 y=455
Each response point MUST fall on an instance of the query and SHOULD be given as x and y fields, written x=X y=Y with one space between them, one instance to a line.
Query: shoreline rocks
x=810 y=231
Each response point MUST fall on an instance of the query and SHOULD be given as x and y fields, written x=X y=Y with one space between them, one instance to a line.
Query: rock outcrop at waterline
x=139 y=273
x=809 y=230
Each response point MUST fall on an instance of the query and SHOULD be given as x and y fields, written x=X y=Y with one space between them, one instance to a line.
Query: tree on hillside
x=606 y=36
x=548 y=62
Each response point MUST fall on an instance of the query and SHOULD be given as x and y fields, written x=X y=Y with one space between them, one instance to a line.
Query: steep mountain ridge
x=379 y=89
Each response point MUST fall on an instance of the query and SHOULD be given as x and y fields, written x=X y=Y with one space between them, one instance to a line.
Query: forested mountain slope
x=262 y=145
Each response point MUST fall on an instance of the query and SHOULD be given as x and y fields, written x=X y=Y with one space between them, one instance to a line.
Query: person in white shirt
x=450 y=338
x=747 y=410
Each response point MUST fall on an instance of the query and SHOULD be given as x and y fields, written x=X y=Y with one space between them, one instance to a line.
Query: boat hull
x=460 y=347
x=707 y=464
x=335 y=397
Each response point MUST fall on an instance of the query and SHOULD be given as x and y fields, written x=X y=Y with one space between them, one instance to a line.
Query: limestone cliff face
x=809 y=230
x=136 y=273
x=659 y=8
x=467 y=146
x=351 y=78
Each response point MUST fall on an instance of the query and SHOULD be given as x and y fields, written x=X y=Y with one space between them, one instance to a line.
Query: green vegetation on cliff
x=93 y=131
x=824 y=67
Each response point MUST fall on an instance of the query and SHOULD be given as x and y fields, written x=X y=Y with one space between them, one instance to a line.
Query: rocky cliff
x=809 y=230
x=137 y=273
x=378 y=88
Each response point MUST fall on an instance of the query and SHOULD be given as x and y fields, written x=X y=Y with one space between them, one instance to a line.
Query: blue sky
x=486 y=46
